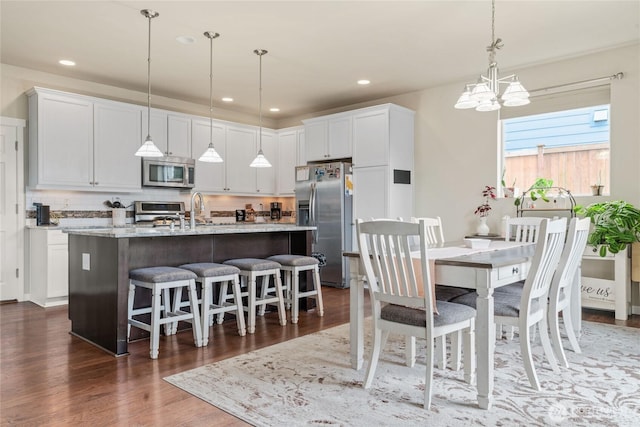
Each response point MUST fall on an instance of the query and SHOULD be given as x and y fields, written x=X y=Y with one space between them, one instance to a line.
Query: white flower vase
x=483 y=227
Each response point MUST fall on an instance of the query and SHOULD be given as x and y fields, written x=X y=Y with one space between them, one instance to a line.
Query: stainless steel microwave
x=172 y=172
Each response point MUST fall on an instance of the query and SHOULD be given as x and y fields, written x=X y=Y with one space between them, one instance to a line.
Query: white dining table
x=484 y=270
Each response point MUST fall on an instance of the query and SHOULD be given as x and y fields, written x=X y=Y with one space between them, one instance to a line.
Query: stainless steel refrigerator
x=324 y=198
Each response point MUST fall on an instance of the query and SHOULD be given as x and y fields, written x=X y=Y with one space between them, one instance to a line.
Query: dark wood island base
x=100 y=261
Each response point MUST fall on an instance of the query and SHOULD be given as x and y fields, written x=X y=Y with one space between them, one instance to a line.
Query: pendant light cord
x=260 y=99
x=211 y=90
x=149 y=80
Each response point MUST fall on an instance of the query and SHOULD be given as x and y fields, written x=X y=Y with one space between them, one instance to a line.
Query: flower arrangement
x=488 y=193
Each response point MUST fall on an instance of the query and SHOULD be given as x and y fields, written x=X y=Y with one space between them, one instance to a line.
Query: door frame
x=20 y=126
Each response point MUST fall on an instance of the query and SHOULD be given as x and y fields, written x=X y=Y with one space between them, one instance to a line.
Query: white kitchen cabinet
x=241 y=150
x=116 y=130
x=48 y=267
x=328 y=137
x=91 y=133
x=606 y=282
x=383 y=162
x=383 y=135
x=288 y=158
x=210 y=177
x=178 y=135
x=170 y=132
x=60 y=133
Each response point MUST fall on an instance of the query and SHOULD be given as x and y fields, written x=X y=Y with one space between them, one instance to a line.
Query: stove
x=157 y=214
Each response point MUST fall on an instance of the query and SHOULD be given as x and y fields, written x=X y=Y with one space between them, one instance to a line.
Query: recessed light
x=227 y=99
x=185 y=39
x=363 y=82
x=67 y=62
x=274 y=109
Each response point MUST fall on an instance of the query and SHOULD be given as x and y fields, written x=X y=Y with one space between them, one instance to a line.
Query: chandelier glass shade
x=484 y=95
x=260 y=161
x=211 y=155
x=148 y=148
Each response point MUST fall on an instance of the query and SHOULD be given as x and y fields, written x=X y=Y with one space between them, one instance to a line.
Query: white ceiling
x=317 y=49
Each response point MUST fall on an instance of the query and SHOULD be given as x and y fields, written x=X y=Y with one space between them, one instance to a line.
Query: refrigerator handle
x=312 y=211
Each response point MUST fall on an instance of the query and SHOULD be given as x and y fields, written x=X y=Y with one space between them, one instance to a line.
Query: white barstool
x=159 y=280
x=250 y=270
x=292 y=266
x=209 y=273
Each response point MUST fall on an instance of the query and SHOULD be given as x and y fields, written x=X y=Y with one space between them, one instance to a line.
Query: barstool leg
x=195 y=322
x=206 y=306
x=156 y=304
x=235 y=283
x=263 y=293
x=251 y=318
x=281 y=311
x=132 y=294
x=318 y=286
x=222 y=300
x=295 y=298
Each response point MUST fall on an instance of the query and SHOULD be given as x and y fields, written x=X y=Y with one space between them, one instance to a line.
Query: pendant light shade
x=211 y=155
x=260 y=161
x=148 y=148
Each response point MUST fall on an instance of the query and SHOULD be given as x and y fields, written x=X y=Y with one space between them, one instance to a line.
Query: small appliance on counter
x=43 y=216
x=157 y=214
x=276 y=211
x=241 y=215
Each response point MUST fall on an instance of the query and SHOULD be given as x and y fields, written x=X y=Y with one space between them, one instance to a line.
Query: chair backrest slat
x=523 y=229
x=435 y=233
x=547 y=255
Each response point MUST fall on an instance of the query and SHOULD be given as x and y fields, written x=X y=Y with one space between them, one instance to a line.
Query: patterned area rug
x=308 y=381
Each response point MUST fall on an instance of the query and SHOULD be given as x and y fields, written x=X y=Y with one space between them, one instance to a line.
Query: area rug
x=309 y=381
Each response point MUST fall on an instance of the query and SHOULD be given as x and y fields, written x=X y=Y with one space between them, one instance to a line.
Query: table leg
x=356 y=316
x=485 y=340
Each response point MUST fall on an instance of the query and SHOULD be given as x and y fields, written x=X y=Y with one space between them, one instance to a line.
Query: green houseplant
x=537 y=191
x=616 y=224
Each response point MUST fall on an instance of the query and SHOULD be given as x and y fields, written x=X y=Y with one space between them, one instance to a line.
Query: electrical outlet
x=86 y=262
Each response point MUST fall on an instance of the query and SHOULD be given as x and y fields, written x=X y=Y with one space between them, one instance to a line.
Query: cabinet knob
x=515 y=270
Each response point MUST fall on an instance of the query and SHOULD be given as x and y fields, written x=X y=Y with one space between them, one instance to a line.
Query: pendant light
x=149 y=149
x=260 y=161
x=211 y=155
x=484 y=95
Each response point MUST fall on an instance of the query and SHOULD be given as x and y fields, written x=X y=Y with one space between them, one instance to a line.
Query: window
x=570 y=147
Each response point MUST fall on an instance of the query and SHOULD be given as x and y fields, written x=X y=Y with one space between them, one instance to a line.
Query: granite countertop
x=125 y=232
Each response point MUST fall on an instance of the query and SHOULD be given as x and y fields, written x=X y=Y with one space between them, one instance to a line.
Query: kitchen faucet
x=192 y=216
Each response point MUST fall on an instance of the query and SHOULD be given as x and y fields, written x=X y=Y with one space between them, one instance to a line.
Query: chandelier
x=485 y=94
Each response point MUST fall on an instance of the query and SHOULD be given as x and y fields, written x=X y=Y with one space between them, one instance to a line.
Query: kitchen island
x=100 y=260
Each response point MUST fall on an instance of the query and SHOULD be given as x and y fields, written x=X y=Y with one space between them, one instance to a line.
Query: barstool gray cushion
x=448 y=313
x=211 y=269
x=161 y=274
x=253 y=264
x=294 y=260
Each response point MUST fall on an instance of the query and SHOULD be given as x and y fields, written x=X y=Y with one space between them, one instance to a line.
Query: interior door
x=11 y=183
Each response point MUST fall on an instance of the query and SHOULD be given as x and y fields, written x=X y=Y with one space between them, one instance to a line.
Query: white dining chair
x=525 y=230
x=530 y=307
x=560 y=294
x=401 y=295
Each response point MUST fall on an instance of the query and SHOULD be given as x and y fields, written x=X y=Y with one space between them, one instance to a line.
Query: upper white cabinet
x=241 y=150
x=171 y=132
x=289 y=142
x=328 y=137
x=91 y=133
x=210 y=177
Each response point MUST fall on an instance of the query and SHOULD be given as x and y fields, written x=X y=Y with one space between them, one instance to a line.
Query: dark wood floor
x=49 y=377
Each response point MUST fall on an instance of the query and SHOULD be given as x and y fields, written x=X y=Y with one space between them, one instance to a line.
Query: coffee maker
x=276 y=210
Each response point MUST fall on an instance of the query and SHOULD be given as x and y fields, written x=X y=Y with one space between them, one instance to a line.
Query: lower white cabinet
x=48 y=266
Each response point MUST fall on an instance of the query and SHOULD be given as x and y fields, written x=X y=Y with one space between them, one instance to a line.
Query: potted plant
x=489 y=193
x=537 y=191
x=616 y=224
